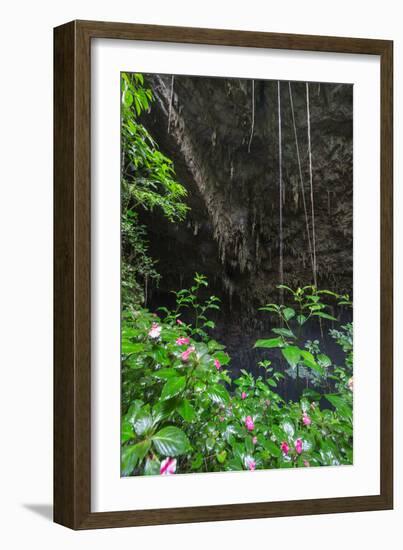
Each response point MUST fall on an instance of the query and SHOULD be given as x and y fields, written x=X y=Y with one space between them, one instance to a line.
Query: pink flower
x=306 y=420
x=298 y=446
x=284 y=447
x=243 y=395
x=179 y=322
x=155 y=331
x=254 y=440
x=306 y=463
x=350 y=384
x=249 y=423
x=250 y=463
x=168 y=466
x=185 y=354
x=217 y=364
x=182 y=341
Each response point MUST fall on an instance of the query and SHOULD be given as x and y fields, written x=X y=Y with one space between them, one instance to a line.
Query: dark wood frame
x=72 y=320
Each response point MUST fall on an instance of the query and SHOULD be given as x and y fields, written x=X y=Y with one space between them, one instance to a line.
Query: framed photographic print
x=223 y=275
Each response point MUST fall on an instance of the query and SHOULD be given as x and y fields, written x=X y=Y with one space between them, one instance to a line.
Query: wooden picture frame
x=72 y=269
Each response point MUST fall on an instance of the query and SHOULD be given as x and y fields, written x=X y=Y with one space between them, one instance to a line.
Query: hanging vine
x=253 y=115
x=171 y=101
x=280 y=170
x=311 y=186
x=301 y=180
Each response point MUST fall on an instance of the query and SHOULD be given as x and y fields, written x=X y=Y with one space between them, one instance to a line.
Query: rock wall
x=232 y=175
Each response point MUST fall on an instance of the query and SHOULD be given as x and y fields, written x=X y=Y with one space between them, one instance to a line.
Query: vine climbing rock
x=231 y=233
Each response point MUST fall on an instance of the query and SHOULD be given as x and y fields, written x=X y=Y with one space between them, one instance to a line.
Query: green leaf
x=221 y=457
x=186 y=410
x=342 y=407
x=218 y=394
x=152 y=467
x=292 y=354
x=270 y=343
x=128 y=98
x=222 y=357
x=301 y=319
x=288 y=313
x=142 y=423
x=288 y=427
x=171 y=441
x=324 y=315
x=287 y=333
x=127 y=432
x=173 y=386
x=132 y=454
x=273 y=449
x=165 y=373
x=197 y=462
x=324 y=360
x=130 y=347
x=309 y=361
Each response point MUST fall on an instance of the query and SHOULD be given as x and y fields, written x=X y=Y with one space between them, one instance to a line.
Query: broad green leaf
x=173 y=386
x=165 y=373
x=127 y=432
x=309 y=361
x=171 y=441
x=288 y=313
x=218 y=394
x=186 y=410
x=343 y=408
x=301 y=319
x=292 y=354
x=142 y=423
x=222 y=357
x=287 y=333
x=130 y=347
x=197 y=462
x=131 y=455
x=270 y=343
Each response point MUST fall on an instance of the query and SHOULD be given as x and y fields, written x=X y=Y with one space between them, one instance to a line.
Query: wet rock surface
x=231 y=233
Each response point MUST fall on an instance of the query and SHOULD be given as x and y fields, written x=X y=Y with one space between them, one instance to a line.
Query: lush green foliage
x=149 y=182
x=178 y=399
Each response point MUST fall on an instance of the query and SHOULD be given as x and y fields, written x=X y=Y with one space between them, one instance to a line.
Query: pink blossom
x=298 y=446
x=155 y=331
x=185 y=354
x=249 y=423
x=250 y=463
x=168 y=466
x=306 y=463
x=217 y=364
x=221 y=418
x=284 y=447
x=182 y=341
x=306 y=419
x=179 y=322
x=254 y=440
x=243 y=395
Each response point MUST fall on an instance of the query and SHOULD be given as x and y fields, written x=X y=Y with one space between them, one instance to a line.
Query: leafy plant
x=182 y=412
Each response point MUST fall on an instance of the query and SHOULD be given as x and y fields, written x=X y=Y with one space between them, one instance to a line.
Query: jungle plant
x=181 y=412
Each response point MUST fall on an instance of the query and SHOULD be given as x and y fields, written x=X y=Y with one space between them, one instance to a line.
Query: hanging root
x=253 y=115
x=280 y=169
x=315 y=282
x=170 y=101
x=301 y=180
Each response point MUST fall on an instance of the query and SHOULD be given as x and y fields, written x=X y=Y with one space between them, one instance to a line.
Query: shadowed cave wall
x=231 y=233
